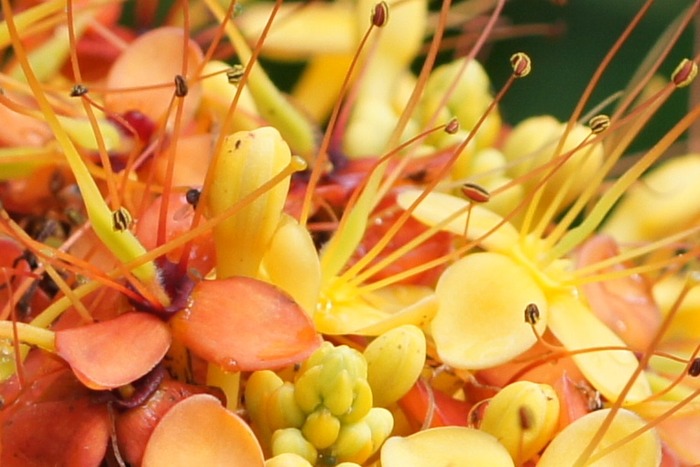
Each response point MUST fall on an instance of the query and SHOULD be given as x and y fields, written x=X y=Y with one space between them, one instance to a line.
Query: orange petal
x=116 y=352
x=68 y=432
x=245 y=324
x=199 y=431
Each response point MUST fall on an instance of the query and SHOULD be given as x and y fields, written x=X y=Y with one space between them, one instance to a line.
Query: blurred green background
x=563 y=65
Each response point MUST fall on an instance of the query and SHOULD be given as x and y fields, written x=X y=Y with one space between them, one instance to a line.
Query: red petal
x=244 y=324
x=116 y=352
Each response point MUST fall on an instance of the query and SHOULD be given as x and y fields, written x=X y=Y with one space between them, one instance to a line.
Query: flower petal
x=480 y=320
x=453 y=445
x=200 y=431
x=245 y=324
x=113 y=353
x=643 y=450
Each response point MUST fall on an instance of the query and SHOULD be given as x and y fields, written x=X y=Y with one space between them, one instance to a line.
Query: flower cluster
x=374 y=269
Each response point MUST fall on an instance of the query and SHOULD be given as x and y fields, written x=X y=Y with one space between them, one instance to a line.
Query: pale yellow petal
x=642 y=451
x=480 y=321
x=445 y=447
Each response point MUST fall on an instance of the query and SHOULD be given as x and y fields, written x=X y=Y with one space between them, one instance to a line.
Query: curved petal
x=453 y=445
x=641 y=451
x=200 y=431
x=481 y=304
x=116 y=352
x=244 y=324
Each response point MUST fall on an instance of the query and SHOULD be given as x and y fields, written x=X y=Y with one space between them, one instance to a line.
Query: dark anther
x=694 y=369
x=180 y=86
x=532 y=314
x=475 y=193
x=78 y=90
x=380 y=14
x=192 y=196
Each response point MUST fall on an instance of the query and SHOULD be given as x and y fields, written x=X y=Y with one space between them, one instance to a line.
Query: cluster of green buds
x=325 y=416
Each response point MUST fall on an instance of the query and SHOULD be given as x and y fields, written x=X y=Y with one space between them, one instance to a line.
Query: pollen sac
x=532 y=314
x=475 y=193
x=121 y=219
x=694 y=368
x=181 y=88
x=685 y=73
x=599 y=124
x=235 y=74
x=452 y=127
x=380 y=14
x=78 y=90
x=521 y=64
x=523 y=416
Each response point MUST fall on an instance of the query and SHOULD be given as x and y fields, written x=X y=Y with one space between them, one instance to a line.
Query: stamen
x=599 y=124
x=475 y=193
x=181 y=88
x=685 y=73
x=78 y=90
x=521 y=64
x=235 y=74
x=121 y=219
x=380 y=14
x=532 y=314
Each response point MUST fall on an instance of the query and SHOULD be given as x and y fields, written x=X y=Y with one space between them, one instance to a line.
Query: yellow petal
x=642 y=451
x=607 y=370
x=481 y=307
x=445 y=446
x=658 y=206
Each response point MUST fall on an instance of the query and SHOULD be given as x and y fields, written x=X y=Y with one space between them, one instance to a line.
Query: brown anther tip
x=78 y=90
x=532 y=314
x=521 y=64
x=685 y=73
x=181 y=87
x=694 y=368
x=380 y=14
x=599 y=124
x=475 y=193
x=192 y=197
x=121 y=219
x=235 y=74
x=452 y=127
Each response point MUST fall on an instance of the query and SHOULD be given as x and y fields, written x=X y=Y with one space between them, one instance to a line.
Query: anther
x=452 y=127
x=521 y=64
x=121 y=219
x=694 y=369
x=181 y=87
x=78 y=90
x=475 y=193
x=380 y=14
x=192 y=196
x=599 y=124
x=532 y=314
x=235 y=74
x=685 y=73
